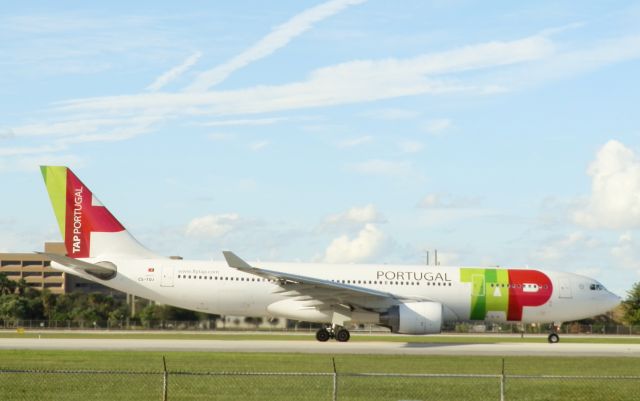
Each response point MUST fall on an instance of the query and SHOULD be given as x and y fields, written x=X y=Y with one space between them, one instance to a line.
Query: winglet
x=235 y=261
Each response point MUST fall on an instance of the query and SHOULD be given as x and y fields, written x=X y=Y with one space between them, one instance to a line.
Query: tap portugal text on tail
x=407 y=299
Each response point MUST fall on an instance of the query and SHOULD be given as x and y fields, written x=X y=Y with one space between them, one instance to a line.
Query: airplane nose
x=614 y=300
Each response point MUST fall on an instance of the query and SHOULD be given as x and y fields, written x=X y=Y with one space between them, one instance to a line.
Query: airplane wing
x=318 y=291
x=102 y=270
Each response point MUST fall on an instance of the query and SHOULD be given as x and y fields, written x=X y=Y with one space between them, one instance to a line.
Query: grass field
x=356 y=337
x=98 y=387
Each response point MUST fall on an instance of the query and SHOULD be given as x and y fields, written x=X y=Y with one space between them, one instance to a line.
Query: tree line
x=18 y=301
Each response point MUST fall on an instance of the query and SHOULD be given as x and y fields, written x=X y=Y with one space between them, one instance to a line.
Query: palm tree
x=7 y=286
x=22 y=286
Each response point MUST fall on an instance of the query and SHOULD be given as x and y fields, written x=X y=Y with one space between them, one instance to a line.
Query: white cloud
x=392 y=114
x=627 y=252
x=384 y=168
x=175 y=72
x=570 y=246
x=279 y=37
x=29 y=150
x=258 y=145
x=32 y=162
x=437 y=126
x=447 y=258
x=350 y=82
x=431 y=201
x=76 y=130
x=246 y=121
x=356 y=214
x=350 y=143
x=66 y=133
x=6 y=133
x=410 y=146
x=213 y=225
x=614 y=201
x=437 y=201
x=364 y=247
x=572 y=62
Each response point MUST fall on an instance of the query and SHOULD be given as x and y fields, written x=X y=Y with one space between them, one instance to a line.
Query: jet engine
x=413 y=318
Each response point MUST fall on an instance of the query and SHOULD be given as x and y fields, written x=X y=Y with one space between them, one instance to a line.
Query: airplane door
x=565 y=289
x=167 y=276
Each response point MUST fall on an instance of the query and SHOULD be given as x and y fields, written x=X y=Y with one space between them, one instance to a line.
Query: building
x=36 y=271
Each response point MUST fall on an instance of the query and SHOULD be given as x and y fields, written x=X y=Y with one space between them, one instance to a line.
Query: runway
x=331 y=347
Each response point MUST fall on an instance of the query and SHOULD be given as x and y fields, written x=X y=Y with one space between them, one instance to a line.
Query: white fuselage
x=465 y=293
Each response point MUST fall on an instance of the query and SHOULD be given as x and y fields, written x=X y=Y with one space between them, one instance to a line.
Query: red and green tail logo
x=78 y=212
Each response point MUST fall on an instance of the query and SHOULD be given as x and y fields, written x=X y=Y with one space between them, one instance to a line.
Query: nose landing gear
x=338 y=332
x=553 y=337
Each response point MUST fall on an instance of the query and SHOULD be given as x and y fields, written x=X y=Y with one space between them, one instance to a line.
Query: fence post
x=335 y=380
x=502 y=382
x=165 y=379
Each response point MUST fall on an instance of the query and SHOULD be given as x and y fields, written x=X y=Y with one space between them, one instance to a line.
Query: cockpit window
x=596 y=287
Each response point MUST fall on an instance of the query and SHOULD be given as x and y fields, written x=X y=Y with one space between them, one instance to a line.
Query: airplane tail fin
x=88 y=229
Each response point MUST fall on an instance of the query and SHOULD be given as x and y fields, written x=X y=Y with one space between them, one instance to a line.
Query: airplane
x=407 y=299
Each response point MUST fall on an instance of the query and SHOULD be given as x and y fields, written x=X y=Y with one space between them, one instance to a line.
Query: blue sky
x=340 y=131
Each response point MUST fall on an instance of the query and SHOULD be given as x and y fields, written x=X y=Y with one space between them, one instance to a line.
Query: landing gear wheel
x=553 y=338
x=343 y=335
x=323 y=335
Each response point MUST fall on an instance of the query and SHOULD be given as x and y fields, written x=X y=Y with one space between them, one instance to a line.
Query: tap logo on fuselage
x=505 y=291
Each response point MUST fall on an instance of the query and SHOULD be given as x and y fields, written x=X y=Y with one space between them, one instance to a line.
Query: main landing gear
x=339 y=333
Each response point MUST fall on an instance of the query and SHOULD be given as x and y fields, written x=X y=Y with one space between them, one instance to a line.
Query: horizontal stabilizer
x=102 y=270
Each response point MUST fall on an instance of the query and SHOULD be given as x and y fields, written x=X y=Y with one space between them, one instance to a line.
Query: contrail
x=277 y=38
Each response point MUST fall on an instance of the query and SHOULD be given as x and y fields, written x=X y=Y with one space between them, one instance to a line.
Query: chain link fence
x=82 y=385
